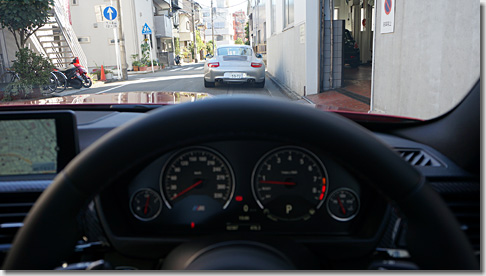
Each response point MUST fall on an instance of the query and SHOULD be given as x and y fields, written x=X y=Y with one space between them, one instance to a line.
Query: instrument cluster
x=225 y=187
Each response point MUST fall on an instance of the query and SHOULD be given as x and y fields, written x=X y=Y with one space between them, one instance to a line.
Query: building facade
x=223 y=23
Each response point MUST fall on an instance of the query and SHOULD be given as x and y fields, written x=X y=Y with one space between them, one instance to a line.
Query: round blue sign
x=110 y=13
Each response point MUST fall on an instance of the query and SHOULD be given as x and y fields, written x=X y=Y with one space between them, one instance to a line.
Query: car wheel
x=260 y=84
x=208 y=83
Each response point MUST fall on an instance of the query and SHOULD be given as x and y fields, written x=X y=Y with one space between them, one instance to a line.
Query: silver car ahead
x=234 y=64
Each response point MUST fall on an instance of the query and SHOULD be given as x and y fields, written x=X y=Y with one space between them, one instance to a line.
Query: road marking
x=199 y=68
x=112 y=88
x=173 y=70
x=187 y=69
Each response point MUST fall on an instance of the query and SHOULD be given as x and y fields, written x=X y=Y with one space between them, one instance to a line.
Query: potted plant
x=136 y=65
x=135 y=62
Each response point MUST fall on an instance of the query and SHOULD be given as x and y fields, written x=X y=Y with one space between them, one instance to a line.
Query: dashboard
x=253 y=189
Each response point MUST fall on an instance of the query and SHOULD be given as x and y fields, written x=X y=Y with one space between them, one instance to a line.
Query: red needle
x=187 y=189
x=342 y=207
x=146 y=205
x=277 y=182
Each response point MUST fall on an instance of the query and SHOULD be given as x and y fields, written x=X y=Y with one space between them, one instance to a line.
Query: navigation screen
x=28 y=147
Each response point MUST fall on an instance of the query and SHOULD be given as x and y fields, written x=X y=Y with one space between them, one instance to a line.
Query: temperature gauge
x=146 y=204
x=343 y=204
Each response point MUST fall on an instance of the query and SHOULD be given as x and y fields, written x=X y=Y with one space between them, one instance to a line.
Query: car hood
x=123 y=98
x=144 y=100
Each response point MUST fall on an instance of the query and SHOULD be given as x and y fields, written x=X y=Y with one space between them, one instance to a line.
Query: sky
x=235 y=5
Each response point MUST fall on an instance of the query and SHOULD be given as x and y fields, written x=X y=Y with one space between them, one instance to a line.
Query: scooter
x=77 y=76
x=178 y=60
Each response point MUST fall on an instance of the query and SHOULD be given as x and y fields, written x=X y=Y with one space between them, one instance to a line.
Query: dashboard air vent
x=14 y=207
x=419 y=158
x=463 y=198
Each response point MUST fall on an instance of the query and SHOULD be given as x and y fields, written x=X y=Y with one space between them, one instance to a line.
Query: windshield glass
x=371 y=57
x=234 y=51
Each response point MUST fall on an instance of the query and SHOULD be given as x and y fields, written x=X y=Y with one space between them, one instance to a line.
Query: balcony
x=163 y=26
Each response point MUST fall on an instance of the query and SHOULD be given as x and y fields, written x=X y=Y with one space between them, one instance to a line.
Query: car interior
x=245 y=183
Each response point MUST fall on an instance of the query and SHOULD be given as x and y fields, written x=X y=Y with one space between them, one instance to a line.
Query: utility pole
x=194 y=48
x=212 y=25
x=123 y=54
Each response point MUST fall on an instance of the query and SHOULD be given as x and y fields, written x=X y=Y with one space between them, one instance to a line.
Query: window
x=288 y=12
x=336 y=13
x=234 y=51
x=74 y=3
x=264 y=31
x=85 y=39
x=273 y=19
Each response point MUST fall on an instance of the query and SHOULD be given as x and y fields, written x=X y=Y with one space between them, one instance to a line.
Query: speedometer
x=289 y=183
x=199 y=173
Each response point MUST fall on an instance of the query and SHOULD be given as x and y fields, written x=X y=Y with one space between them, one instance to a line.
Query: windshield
x=378 y=57
x=234 y=51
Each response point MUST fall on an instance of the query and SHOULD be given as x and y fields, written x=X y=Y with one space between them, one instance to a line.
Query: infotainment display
x=33 y=143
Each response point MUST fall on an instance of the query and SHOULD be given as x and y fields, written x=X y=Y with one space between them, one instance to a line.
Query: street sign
x=388 y=17
x=110 y=13
x=111 y=24
x=146 y=29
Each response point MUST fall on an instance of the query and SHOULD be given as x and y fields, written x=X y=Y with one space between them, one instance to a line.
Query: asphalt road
x=185 y=78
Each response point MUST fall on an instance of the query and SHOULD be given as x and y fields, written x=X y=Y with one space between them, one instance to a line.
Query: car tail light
x=256 y=64
x=213 y=64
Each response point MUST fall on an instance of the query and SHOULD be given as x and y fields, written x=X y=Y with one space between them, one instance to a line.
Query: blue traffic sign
x=110 y=13
x=146 y=29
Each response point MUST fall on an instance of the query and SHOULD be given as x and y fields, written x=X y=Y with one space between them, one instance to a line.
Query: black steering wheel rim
x=52 y=221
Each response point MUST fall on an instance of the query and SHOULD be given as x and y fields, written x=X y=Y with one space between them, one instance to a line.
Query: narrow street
x=184 y=78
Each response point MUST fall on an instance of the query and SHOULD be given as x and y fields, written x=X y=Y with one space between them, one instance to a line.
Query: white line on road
x=199 y=68
x=189 y=68
x=173 y=70
x=112 y=88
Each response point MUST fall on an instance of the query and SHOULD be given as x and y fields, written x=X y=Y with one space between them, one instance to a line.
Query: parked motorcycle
x=77 y=76
x=178 y=60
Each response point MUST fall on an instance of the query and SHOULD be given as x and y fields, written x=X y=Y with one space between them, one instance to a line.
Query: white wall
x=99 y=51
x=290 y=59
x=427 y=65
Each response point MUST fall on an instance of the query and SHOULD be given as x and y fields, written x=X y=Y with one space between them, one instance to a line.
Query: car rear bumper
x=249 y=74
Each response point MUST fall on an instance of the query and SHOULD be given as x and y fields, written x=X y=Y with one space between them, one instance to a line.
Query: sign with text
x=388 y=16
x=111 y=24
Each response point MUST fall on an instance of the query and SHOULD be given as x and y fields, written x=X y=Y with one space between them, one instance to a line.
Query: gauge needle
x=145 y=209
x=187 y=189
x=342 y=207
x=276 y=182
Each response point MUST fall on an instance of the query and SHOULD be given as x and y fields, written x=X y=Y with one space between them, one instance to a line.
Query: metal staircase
x=57 y=40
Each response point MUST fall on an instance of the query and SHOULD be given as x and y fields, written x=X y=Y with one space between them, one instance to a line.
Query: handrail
x=68 y=32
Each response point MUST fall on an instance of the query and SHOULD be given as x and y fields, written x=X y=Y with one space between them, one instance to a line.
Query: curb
x=284 y=89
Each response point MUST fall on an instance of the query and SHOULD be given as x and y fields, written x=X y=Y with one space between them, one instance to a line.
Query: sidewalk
x=354 y=95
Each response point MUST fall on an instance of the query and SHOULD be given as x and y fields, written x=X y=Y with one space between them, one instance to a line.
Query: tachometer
x=290 y=183
x=197 y=171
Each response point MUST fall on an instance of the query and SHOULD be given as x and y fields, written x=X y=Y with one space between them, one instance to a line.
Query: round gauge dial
x=197 y=171
x=145 y=204
x=289 y=183
x=343 y=204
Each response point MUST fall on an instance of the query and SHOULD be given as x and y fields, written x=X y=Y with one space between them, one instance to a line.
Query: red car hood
x=147 y=99
x=124 y=98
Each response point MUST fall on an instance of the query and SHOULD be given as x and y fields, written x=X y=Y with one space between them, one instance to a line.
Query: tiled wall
x=338 y=59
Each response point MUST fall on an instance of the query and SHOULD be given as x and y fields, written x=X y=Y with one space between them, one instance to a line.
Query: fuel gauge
x=146 y=204
x=343 y=204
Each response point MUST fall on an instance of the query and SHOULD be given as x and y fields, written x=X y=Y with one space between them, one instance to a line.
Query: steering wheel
x=51 y=230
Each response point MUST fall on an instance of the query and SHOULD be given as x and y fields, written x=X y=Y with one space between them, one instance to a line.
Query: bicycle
x=9 y=76
x=61 y=80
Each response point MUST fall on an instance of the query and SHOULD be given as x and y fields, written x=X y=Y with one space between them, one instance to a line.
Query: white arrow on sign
x=110 y=12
